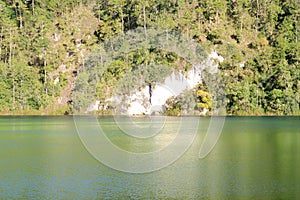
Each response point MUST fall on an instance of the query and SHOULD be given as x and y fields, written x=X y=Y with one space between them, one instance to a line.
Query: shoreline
x=141 y=116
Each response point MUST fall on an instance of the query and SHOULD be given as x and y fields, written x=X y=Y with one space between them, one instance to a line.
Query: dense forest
x=43 y=43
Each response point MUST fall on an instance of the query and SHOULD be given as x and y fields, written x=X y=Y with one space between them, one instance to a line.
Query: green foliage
x=204 y=100
x=172 y=107
x=183 y=104
x=41 y=41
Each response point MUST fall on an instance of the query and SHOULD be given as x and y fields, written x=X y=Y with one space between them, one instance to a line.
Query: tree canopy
x=43 y=44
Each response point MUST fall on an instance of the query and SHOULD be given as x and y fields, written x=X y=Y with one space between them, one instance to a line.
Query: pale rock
x=94 y=107
x=242 y=65
x=215 y=55
x=56 y=80
x=56 y=37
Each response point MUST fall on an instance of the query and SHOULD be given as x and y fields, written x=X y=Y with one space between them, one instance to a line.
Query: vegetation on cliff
x=43 y=43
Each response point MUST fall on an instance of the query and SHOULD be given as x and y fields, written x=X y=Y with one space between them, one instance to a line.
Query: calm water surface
x=255 y=158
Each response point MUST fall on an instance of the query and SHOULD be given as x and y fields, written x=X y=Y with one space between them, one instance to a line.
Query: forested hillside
x=43 y=43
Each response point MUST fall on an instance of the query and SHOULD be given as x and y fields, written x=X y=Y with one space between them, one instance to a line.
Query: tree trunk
x=12 y=70
x=296 y=39
x=45 y=73
x=257 y=14
x=32 y=4
x=1 y=32
x=22 y=95
x=199 y=21
x=258 y=8
x=150 y=93
x=241 y=27
x=145 y=21
x=122 y=20
x=21 y=19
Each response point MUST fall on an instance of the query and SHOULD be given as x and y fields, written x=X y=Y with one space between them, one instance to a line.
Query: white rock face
x=215 y=55
x=139 y=102
x=242 y=65
x=161 y=94
x=56 y=80
x=56 y=37
x=205 y=110
x=94 y=107
x=176 y=83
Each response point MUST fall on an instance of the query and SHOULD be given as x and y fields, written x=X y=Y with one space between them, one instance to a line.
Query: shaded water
x=255 y=158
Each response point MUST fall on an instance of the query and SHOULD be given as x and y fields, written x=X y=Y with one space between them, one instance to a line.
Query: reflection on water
x=255 y=158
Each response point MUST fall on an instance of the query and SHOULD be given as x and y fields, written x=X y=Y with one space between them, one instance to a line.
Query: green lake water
x=255 y=158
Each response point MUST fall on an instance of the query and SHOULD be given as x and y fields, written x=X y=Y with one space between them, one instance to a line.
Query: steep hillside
x=44 y=43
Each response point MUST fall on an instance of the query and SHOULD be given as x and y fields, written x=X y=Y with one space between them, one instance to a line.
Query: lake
x=254 y=158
